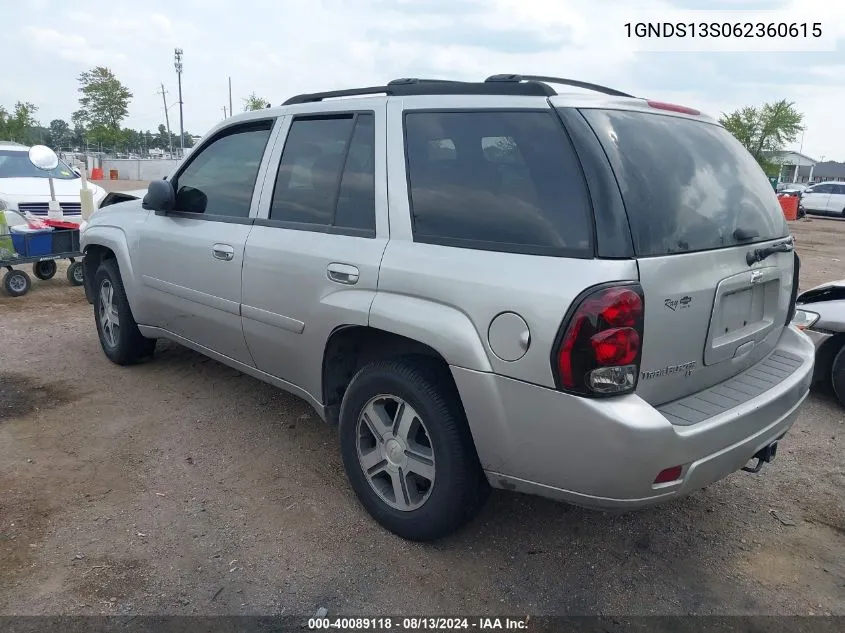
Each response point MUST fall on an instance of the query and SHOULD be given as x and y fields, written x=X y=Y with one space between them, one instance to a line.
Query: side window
x=220 y=178
x=838 y=190
x=326 y=175
x=506 y=181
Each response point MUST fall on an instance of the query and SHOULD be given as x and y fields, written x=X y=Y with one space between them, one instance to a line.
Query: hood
x=14 y=190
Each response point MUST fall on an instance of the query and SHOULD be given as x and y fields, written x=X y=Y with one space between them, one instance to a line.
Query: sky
x=278 y=49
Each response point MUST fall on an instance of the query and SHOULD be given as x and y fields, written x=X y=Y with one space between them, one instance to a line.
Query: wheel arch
x=351 y=347
x=102 y=243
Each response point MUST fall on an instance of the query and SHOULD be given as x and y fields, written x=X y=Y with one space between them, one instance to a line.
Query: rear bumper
x=607 y=453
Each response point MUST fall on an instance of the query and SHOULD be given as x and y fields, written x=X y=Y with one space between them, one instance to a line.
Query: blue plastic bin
x=32 y=243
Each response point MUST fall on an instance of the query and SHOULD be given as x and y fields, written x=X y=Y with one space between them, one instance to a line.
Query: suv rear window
x=687 y=185
x=494 y=180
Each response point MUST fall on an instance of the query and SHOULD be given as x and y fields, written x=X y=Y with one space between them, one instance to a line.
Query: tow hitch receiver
x=762 y=456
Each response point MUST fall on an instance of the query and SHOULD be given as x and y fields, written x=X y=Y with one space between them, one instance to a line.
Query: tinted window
x=687 y=185
x=326 y=174
x=220 y=178
x=496 y=181
x=838 y=189
x=356 y=202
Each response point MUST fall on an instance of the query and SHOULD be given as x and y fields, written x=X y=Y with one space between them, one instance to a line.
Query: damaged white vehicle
x=820 y=313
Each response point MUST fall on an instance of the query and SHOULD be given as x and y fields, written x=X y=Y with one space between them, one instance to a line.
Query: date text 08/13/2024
x=419 y=623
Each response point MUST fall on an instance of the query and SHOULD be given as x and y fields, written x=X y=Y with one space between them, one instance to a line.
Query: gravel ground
x=183 y=487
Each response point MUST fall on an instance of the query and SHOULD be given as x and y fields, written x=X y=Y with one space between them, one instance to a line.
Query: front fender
x=115 y=239
x=443 y=328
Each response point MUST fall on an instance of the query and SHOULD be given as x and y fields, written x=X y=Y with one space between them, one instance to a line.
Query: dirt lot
x=182 y=486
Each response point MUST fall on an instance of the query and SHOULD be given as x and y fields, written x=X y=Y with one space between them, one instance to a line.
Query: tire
x=75 y=274
x=120 y=339
x=16 y=283
x=837 y=375
x=439 y=443
x=44 y=270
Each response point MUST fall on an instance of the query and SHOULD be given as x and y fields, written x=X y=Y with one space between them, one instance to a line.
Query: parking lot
x=182 y=486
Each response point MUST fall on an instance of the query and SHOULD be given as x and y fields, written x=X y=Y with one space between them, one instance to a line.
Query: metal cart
x=63 y=244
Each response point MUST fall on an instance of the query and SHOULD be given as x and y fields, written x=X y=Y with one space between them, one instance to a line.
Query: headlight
x=804 y=319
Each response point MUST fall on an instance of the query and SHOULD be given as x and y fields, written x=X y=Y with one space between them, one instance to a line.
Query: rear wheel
x=44 y=270
x=407 y=449
x=16 y=283
x=837 y=375
x=75 y=274
x=120 y=338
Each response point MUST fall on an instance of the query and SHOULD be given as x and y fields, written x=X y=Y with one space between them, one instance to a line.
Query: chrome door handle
x=223 y=251
x=342 y=273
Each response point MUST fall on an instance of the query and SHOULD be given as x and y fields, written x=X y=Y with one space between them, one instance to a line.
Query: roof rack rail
x=409 y=86
x=350 y=92
x=505 y=78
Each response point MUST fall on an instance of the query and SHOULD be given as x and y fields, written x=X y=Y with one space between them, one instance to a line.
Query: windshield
x=17 y=165
x=687 y=185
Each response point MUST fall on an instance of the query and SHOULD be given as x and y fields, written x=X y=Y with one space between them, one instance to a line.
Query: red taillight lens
x=616 y=347
x=671 y=107
x=599 y=351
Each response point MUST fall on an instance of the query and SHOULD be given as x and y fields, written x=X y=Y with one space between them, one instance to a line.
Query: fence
x=139 y=169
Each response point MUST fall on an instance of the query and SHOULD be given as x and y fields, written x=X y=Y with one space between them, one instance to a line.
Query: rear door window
x=494 y=180
x=687 y=185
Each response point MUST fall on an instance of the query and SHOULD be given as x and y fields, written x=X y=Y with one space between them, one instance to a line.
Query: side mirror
x=77 y=171
x=160 y=197
x=43 y=157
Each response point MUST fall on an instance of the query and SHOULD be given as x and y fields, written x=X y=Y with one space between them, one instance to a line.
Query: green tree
x=254 y=102
x=104 y=102
x=162 y=140
x=766 y=130
x=189 y=142
x=18 y=126
x=61 y=136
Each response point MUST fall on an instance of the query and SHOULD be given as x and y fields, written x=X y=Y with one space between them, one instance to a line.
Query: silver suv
x=581 y=296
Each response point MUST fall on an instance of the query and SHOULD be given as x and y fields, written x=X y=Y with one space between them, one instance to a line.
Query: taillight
x=599 y=350
x=793 y=295
x=671 y=107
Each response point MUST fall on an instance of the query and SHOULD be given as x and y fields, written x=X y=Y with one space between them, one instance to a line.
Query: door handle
x=223 y=251
x=342 y=273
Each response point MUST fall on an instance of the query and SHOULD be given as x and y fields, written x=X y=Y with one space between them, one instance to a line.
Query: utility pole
x=231 y=112
x=177 y=62
x=167 y=119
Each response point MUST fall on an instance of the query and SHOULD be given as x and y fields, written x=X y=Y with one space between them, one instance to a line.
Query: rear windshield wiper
x=759 y=254
x=743 y=235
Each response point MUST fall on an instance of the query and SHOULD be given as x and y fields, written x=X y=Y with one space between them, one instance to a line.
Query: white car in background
x=824 y=198
x=24 y=187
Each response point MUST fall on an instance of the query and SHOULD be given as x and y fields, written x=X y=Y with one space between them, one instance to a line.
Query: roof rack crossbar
x=505 y=78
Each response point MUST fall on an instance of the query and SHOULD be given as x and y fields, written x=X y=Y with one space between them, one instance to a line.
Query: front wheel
x=16 y=283
x=407 y=449
x=120 y=338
